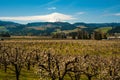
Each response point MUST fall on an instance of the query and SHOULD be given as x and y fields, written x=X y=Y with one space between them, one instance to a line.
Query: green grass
x=6 y=76
x=25 y=75
x=69 y=31
x=2 y=28
x=104 y=29
x=65 y=31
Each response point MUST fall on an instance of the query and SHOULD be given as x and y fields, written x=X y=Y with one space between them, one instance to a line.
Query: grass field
x=25 y=75
x=61 y=47
x=104 y=29
x=2 y=28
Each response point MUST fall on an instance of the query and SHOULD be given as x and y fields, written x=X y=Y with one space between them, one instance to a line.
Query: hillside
x=96 y=25
x=3 y=28
x=104 y=29
x=8 y=24
x=47 y=28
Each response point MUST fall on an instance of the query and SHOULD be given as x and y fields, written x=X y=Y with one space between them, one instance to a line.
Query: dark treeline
x=81 y=34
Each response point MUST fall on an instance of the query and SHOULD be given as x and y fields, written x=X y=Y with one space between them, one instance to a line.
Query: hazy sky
x=60 y=10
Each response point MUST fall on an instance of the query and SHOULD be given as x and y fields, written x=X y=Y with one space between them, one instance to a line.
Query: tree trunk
x=5 y=66
x=17 y=72
x=89 y=77
x=53 y=78
x=28 y=66
x=60 y=78
x=77 y=76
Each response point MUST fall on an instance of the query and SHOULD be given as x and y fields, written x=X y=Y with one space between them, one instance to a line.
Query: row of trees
x=91 y=66
x=82 y=35
x=4 y=34
x=16 y=58
x=58 y=66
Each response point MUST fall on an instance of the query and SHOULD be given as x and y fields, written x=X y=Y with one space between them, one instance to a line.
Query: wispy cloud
x=80 y=13
x=51 y=8
x=112 y=14
x=117 y=14
x=52 y=2
x=111 y=11
x=53 y=17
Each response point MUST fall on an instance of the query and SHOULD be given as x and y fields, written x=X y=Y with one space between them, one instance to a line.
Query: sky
x=88 y=11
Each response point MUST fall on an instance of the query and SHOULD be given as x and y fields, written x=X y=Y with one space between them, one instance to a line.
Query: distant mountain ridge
x=97 y=24
x=46 y=28
x=8 y=24
x=62 y=25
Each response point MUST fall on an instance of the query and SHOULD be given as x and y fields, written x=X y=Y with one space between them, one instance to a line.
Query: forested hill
x=47 y=28
x=9 y=24
x=97 y=24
